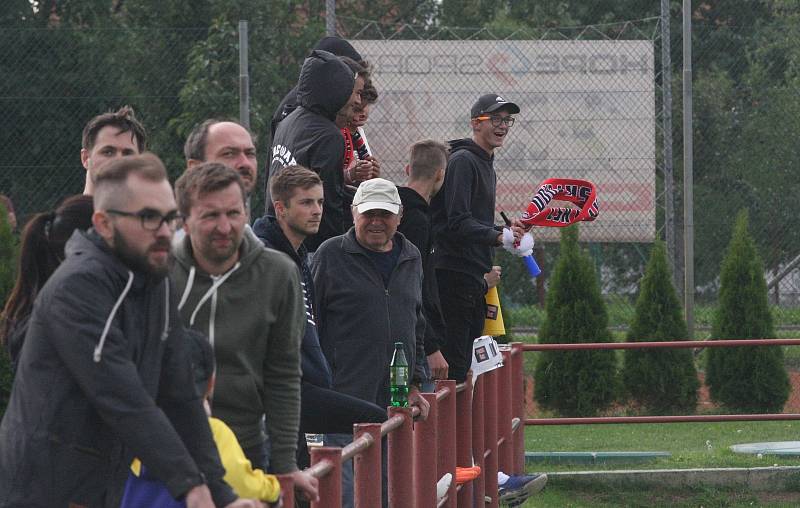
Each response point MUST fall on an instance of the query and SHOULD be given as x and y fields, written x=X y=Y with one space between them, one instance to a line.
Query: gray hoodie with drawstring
x=255 y=318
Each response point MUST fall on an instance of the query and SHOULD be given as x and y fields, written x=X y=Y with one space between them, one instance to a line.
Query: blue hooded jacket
x=316 y=370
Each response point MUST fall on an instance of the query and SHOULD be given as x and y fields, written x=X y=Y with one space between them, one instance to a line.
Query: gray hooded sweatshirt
x=254 y=317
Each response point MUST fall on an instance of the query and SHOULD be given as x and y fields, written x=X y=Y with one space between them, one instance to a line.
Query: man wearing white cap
x=368 y=295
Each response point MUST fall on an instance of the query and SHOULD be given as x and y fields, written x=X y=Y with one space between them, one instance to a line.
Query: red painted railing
x=463 y=425
x=484 y=425
x=659 y=345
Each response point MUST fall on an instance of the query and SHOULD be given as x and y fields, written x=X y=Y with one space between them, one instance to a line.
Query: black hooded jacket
x=331 y=44
x=309 y=137
x=463 y=211
x=104 y=376
x=416 y=227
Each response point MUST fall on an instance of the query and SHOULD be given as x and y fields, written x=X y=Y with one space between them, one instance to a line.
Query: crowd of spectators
x=172 y=349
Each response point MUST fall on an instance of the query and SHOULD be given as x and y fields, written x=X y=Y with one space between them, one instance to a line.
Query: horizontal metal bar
x=661 y=419
x=391 y=424
x=320 y=469
x=666 y=344
x=359 y=445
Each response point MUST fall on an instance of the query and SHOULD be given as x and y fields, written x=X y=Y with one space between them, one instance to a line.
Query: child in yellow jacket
x=143 y=489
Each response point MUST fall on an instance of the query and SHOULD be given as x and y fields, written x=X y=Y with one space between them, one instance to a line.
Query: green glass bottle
x=398 y=376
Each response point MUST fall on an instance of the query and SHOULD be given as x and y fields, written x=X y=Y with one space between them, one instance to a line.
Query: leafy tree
x=749 y=378
x=663 y=380
x=575 y=383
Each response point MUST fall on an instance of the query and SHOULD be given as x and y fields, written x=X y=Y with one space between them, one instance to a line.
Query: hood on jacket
x=248 y=253
x=90 y=245
x=339 y=47
x=325 y=84
x=469 y=145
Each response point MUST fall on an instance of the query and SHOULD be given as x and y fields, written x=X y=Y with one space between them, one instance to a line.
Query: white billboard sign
x=587 y=112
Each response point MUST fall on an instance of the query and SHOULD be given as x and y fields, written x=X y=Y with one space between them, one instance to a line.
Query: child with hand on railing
x=142 y=489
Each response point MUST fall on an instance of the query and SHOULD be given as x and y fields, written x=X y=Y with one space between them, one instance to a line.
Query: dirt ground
x=704 y=403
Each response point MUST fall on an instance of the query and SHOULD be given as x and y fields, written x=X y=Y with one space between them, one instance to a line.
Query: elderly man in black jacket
x=104 y=374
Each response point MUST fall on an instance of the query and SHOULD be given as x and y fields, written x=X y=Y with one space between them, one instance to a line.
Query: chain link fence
x=590 y=100
x=586 y=115
x=593 y=106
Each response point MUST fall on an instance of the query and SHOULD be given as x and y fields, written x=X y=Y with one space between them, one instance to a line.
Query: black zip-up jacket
x=315 y=367
x=104 y=376
x=463 y=211
x=309 y=137
x=416 y=227
x=360 y=319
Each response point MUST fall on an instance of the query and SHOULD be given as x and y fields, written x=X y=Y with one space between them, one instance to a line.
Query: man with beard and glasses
x=248 y=300
x=104 y=375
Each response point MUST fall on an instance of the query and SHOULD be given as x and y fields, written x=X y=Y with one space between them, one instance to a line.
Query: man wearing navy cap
x=463 y=219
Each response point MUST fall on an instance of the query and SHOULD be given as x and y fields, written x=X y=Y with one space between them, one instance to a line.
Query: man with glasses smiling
x=463 y=219
x=104 y=375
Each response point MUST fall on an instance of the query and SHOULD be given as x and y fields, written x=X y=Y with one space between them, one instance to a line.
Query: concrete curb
x=755 y=478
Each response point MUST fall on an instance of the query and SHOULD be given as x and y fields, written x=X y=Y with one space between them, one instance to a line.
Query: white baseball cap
x=377 y=193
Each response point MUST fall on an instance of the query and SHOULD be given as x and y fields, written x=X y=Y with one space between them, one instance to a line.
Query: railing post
x=490 y=433
x=367 y=467
x=518 y=407
x=425 y=444
x=330 y=485
x=505 y=459
x=401 y=460
x=447 y=438
x=478 y=444
x=287 y=488
x=464 y=422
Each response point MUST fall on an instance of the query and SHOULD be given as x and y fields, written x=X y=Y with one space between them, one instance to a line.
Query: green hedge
x=745 y=379
x=664 y=381
x=8 y=261
x=575 y=383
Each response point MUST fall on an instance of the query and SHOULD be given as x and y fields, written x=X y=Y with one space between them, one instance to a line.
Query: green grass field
x=691 y=445
x=565 y=494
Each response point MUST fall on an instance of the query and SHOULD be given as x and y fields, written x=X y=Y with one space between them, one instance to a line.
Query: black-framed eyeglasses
x=152 y=220
x=497 y=120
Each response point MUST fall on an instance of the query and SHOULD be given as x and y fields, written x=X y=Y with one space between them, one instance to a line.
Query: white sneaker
x=443 y=485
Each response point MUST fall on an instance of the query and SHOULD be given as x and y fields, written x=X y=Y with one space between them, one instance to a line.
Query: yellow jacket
x=247 y=482
x=239 y=473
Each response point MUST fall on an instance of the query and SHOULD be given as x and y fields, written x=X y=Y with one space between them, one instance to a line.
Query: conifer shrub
x=750 y=378
x=8 y=261
x=575 y=383
x=664 y=381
